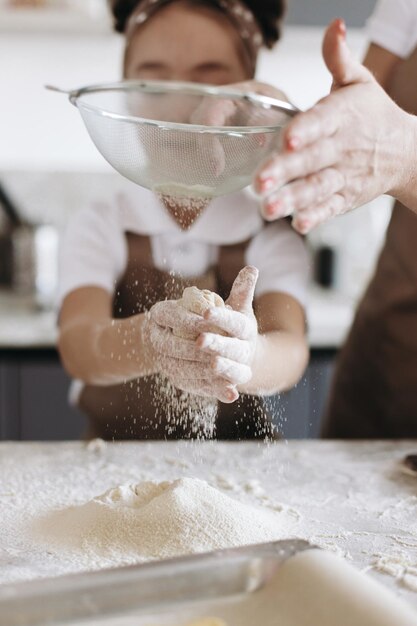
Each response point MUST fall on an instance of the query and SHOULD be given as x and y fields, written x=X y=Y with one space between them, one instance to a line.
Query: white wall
x=40 y=129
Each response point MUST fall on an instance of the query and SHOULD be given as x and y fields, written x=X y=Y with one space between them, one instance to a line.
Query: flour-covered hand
x=163 y=344
x=212 y=365
x=166 y=334
x=232 y=355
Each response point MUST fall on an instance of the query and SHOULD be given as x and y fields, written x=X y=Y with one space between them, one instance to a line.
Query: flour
x=184 y=203
x=194 y=415
x=400 y=567
x=339 y=495
x=149 y=520
x=199 y=412
x=192 y=192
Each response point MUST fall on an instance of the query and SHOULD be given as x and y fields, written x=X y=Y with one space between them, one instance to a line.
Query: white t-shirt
x=94 y=248
x=393 y=26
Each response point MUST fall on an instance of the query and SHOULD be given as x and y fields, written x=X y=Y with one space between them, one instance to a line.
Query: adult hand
x=345 y=151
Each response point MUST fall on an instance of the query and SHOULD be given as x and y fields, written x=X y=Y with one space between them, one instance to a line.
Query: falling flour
x=197 y=413
x=149 y=520
x=187 y=196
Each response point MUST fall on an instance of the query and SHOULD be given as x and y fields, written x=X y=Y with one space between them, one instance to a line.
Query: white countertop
x=23 y=326
x=348 y=497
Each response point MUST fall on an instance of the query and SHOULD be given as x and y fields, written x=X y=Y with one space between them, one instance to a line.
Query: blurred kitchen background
x=49 y=168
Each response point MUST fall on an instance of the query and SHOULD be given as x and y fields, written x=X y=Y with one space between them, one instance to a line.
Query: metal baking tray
x=171 y=592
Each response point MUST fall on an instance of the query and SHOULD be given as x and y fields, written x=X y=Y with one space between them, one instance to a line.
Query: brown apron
x=374 y=393
x=138 y=409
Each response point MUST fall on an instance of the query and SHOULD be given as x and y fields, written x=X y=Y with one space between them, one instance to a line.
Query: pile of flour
x=149 y=520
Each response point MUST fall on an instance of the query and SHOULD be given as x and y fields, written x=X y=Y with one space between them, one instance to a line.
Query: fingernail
x=303 y=226
x=204 y=341
x=341 y=24
x=293 y=143
x=266 y=184
x=275 y=209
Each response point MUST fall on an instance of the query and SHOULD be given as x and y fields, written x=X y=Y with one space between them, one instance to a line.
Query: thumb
x=340 y=61
x=243 y=290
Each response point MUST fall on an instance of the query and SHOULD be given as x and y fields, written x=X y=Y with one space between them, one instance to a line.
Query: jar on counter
x=35 y=263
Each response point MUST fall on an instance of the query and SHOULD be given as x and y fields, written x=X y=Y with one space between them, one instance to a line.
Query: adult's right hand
x=351 y=147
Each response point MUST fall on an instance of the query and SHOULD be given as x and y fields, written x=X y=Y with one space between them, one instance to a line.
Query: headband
x=238 y=13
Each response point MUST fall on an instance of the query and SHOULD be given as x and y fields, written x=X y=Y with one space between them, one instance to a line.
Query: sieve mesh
x=161 y=135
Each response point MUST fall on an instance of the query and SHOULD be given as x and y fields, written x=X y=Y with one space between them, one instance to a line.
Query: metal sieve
x=162 y=134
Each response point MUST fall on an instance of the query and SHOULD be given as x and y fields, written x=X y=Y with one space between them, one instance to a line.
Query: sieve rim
x=154 y=86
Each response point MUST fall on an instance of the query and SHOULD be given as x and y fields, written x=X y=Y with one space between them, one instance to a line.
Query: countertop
x=24 y=326
x=351 y=498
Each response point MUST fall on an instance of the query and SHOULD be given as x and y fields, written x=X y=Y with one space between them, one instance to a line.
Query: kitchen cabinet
x=33 y=397
x=34 y=390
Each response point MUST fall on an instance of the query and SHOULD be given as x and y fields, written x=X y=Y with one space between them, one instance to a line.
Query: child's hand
x=232 y=355
x=179 y=359
x=213 y=365
x=224 y=362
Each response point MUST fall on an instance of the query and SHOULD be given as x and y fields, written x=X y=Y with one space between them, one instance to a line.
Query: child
x=131 y=255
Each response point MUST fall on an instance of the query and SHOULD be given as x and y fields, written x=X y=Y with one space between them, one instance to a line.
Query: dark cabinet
x=33 y=398
x=298 y=413
x=34 y=392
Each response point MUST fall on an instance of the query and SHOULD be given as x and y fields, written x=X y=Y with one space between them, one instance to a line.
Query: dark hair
x=268 y=13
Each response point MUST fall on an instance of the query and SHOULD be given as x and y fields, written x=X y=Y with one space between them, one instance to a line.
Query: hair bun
x=269 y=14
x=121 y=10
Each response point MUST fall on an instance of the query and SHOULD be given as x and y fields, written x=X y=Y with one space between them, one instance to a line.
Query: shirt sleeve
x=281 y=256
x=393 y=26
x=93 y=251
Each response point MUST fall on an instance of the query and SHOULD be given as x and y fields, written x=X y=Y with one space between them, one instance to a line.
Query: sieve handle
x=71 y=93
x=58 y=89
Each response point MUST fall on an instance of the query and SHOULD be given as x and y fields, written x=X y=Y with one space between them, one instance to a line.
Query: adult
x=362 y=144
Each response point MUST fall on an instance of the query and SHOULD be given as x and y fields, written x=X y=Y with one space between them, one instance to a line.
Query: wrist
x=252 y=386
x=404 y=188
x=121 y=348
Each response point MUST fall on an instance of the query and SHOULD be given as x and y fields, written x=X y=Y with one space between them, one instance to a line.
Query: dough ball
x=198 y=301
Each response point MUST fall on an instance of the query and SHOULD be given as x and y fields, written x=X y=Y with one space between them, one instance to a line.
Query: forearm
x=280 y=360
x=105 y=352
